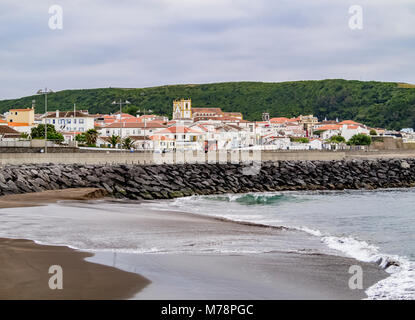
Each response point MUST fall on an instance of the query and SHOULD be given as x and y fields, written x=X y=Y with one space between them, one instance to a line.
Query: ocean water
x=372 y=226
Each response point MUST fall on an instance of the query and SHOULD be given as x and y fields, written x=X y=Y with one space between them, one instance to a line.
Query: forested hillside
x=378 y=104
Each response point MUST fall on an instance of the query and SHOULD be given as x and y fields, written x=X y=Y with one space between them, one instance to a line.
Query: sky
x=144 y=43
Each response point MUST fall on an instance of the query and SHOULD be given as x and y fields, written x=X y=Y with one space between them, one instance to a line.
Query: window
x=68 y=121
x=81 y=121
x=74 y=121
x=15 y=113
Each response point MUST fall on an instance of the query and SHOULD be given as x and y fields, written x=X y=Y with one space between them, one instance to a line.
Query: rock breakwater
x=172 y=181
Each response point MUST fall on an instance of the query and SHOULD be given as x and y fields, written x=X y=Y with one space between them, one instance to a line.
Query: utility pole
x=145 y=120
x=74 y=116
x=121 y=103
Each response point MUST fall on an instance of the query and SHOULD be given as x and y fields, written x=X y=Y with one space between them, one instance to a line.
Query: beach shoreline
x=32 y=199
x=24 y=264
x=273 y=275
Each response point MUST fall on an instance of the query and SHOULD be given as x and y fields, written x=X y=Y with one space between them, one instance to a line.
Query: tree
x=337 y=139
x=80 y=137
x=377 y=104
x=114 y=140
x=39 y=133
x=373 y=132
x=360 y=140
x=91 y=137
x=24 y=135
x=127 y=143
x=301 y=140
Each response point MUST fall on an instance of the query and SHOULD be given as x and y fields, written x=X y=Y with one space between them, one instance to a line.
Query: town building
x=9 y=134
x=182 y=109
x=163 y=143
x=127 y=129
x=185 y=137
x=308 y=123
x=70 y=121
x=26 y=116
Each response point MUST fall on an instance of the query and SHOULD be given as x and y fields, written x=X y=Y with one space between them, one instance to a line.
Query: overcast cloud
x=155 y=42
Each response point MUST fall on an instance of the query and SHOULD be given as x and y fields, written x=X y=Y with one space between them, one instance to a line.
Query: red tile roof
x=178 y=129
x=329 y=127
x=123 y=124
x=18 y=124
x=207 y=110
x=279 y=120
x=8 y=130
x=349 y=122
x=68 y=114
x=27 y=109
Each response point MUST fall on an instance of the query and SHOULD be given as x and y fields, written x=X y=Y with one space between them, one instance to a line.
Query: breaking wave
x=399 y=285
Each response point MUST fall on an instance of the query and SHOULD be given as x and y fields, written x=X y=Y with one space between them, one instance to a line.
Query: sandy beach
x=50 y=196
x=24 y=274
x=278 y=274
x=24 y=264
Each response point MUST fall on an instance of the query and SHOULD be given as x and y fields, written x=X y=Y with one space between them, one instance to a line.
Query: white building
x=348 y=131
x=70 y=121
x=184 y=137
x=127 y=129
x=345 y=130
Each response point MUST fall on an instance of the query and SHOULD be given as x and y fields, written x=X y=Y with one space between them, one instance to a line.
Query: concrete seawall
x=192 y=157
x=171 y=181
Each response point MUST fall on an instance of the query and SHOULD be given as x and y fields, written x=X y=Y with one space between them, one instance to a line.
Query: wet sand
x=50 y=196
x=24 y=265
x=276 y=275
x=246 y=277
x=273 y=275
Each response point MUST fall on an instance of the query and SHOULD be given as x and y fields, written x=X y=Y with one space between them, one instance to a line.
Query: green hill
x=378 y=104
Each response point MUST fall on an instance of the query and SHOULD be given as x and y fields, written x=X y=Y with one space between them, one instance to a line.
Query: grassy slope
x=378 y=104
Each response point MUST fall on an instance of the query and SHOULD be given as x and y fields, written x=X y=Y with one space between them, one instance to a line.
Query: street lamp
x=45 y=92
x=121 y=103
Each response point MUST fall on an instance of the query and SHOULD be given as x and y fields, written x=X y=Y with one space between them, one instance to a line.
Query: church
x=182 y=110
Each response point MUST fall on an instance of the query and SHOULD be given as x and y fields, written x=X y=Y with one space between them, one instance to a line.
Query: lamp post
x=121 y=103
x=145 y=123
x=45 y=92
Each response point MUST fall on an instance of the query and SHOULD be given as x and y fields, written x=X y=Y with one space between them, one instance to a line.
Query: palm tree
x=127 y=143
x=114 y=140
x=91 y=137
